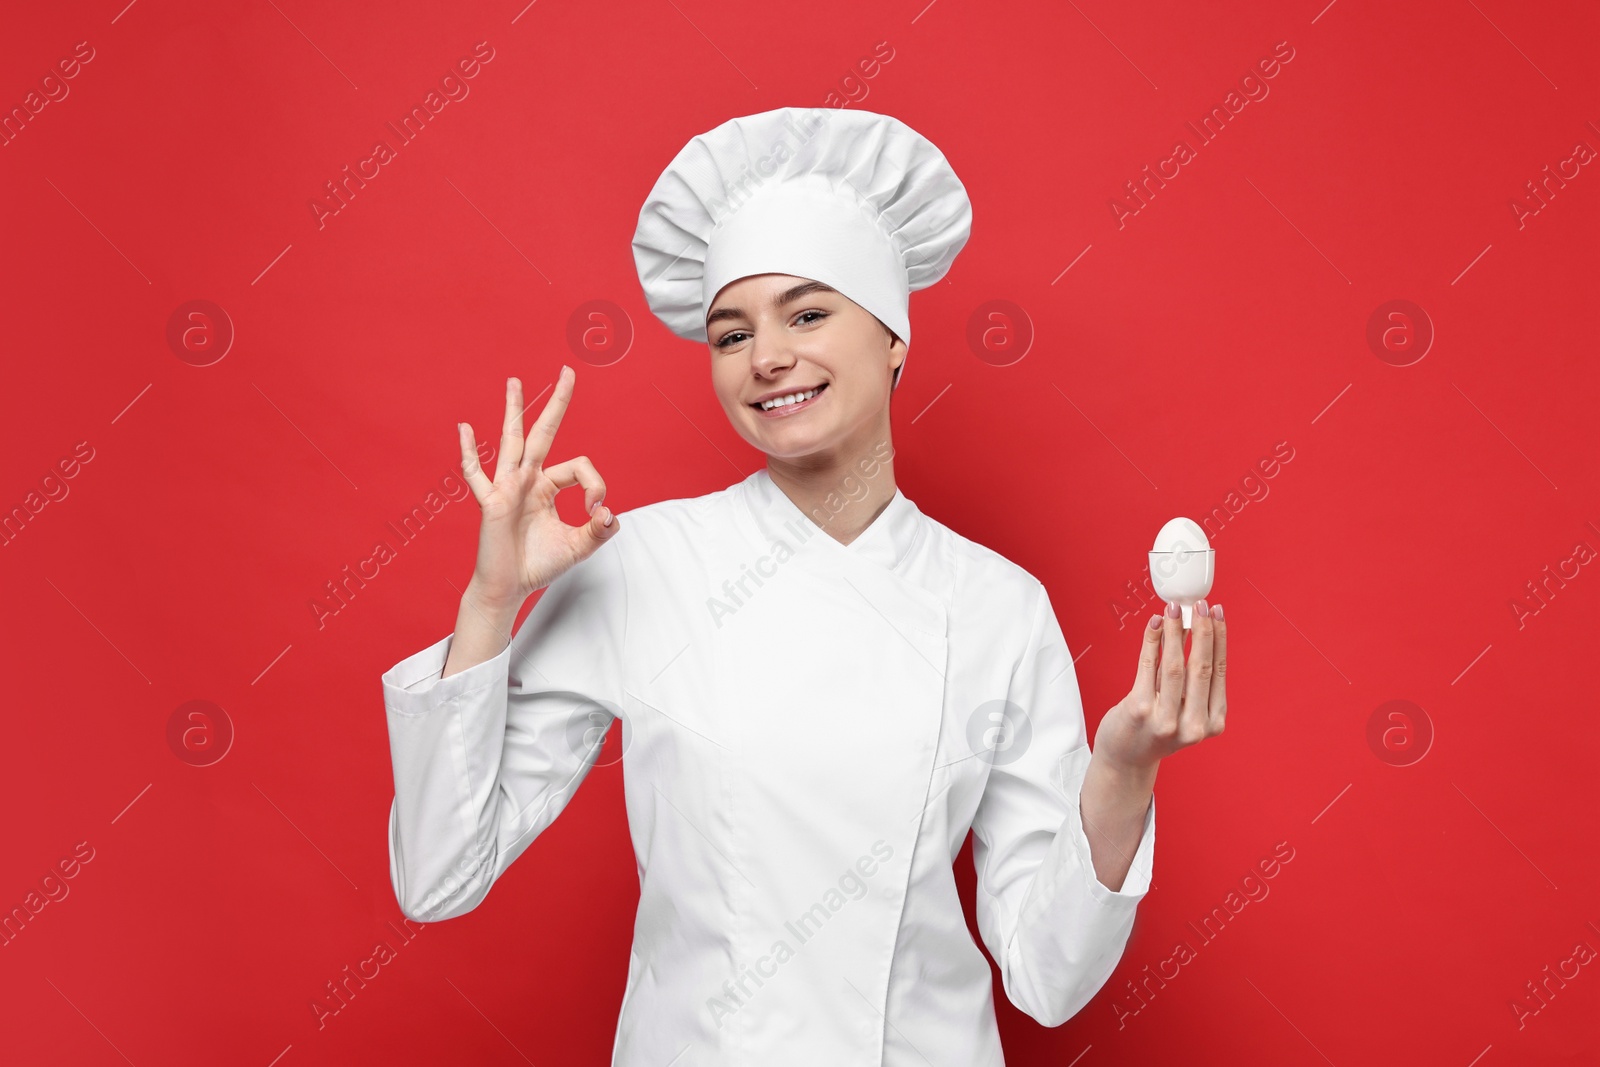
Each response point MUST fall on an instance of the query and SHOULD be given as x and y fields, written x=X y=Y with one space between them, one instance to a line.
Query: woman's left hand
x=1173 y=704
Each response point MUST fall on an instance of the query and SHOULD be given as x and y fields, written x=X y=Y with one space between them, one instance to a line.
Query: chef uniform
x=809 y=728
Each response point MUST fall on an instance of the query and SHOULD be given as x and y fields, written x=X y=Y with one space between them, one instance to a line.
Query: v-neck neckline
x=885 y=541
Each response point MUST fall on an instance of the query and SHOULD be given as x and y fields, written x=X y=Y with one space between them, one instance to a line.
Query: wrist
x=1135 y=777
x=492 y=604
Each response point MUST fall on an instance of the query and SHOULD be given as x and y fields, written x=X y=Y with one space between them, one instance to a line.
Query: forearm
x=1114 y=802
x=483 y=629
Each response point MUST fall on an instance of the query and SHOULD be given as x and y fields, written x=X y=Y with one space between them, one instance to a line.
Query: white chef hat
x=850 y=198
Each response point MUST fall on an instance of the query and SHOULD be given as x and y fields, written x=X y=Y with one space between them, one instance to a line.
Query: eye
x=810 y=311
x=726 y=339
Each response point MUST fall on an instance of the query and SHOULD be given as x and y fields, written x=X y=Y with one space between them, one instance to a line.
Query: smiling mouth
x=782 y=410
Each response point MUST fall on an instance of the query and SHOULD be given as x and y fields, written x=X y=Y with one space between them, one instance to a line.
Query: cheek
x=727 y=384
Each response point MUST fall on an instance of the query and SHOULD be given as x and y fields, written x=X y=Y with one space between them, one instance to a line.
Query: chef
x=821 y=688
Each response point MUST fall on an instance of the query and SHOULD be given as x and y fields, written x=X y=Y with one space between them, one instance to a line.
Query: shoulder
x=985 y=573
x=680 y=513
x=671 y=533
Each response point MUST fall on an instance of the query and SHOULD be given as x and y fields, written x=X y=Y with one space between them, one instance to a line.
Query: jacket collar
x=886 y=542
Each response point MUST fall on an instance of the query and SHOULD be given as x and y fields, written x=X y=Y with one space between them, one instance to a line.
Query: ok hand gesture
x=523 y=545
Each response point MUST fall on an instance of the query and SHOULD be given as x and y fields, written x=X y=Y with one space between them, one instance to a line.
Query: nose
x=771 y=353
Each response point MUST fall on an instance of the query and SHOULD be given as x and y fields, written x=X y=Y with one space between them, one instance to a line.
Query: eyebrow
x=778 y=300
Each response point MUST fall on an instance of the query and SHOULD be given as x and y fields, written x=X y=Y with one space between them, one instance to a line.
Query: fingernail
x=1202 y=608
x=608 y=518
x=1173 y=611
x=1216 y=611
x=1155 y=622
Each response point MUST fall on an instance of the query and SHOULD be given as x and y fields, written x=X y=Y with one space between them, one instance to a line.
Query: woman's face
x=778 y=334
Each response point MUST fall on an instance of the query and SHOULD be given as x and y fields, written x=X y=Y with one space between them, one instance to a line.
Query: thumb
x=603 y=525
x=585 y=540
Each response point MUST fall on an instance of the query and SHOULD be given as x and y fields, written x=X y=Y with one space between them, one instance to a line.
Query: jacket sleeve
x=1054 y=930
x=487 y=758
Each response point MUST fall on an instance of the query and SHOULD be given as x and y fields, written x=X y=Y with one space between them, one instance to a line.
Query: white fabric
x=798 y=768
x=852 y=198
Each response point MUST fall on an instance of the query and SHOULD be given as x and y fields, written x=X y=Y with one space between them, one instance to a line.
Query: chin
x=786 y=444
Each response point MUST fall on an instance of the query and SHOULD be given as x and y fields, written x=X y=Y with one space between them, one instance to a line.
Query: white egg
x=1181 y=534
x=1182 y=565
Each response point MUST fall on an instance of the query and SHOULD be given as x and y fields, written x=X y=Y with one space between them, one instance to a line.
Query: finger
x=1169 y=692
x=1144 y=681
x=511 y=431
x=543 y=434
x=1197 y=684
x=579 y=471
x=477 y=481
x=1219 y=670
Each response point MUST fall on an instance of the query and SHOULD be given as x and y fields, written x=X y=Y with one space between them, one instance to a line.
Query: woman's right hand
x=523 y=545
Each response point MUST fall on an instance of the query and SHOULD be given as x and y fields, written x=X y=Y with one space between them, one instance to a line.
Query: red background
x=1228 y=315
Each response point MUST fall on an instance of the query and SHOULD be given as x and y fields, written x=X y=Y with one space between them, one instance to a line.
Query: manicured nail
x=1155 y=622
x=608 y=517
x=1202 y=608
x=1216 y=611
x=1173 y=611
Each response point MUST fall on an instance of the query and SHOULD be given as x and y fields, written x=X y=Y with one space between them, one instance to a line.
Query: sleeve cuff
x=1074 y=765
x=414 y=686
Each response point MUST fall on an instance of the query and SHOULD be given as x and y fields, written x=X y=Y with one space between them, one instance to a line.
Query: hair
x=892 y=373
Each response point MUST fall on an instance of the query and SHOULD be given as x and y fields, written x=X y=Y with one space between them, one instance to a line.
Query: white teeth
x=784 y=401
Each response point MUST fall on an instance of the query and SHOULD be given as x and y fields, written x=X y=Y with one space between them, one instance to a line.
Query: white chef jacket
x=808 y=732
